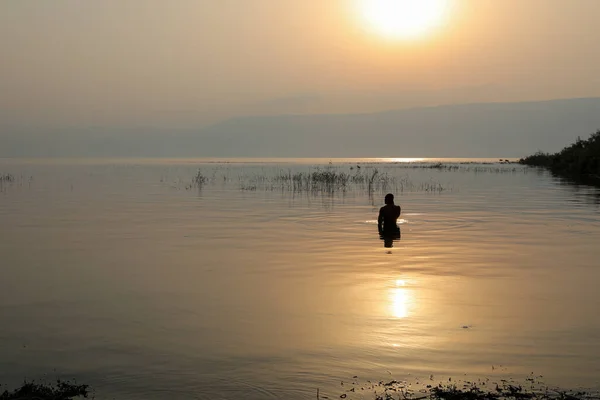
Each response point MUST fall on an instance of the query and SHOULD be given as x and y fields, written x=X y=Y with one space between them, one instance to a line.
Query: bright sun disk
x=403 y=18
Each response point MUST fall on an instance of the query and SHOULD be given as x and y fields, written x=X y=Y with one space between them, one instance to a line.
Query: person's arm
x=398 y=212
x=380 y=221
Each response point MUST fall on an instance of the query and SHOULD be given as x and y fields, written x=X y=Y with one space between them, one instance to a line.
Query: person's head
x=389 y=199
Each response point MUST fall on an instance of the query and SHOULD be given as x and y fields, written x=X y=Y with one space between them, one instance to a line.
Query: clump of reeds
x=61 y=390
x=198 y=181
x=6 y=178
x=321 y=180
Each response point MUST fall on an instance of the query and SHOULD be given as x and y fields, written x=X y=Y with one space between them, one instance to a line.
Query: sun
x=403 y=19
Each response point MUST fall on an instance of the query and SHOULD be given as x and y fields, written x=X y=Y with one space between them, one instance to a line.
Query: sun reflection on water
x=402 y=159
x=401 y=300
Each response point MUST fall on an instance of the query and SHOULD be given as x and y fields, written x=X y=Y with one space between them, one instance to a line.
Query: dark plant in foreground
x=35 y=391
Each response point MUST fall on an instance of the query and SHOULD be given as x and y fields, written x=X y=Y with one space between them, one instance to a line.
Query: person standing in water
x=388 y=215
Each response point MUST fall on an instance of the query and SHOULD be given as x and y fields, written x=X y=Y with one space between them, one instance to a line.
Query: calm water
x=118 y=274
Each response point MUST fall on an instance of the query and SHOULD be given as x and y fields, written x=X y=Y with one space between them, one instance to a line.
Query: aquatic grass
x=329 y=180
x=335 y=179
x=198 y=181
x=7 y=178
x=319 y=180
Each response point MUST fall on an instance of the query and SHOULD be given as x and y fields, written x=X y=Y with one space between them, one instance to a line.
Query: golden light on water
x=401 y=300
x=403 y=159
x=403 y=19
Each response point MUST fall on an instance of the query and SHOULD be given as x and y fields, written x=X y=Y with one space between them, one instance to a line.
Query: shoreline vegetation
x=60 y=390
x=579 y=161
x=531 y=388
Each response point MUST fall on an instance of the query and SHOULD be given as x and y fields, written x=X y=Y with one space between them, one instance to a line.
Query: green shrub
x=580 y=158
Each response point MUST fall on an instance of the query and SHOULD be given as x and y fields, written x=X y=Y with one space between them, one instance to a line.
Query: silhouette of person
x=386 y=222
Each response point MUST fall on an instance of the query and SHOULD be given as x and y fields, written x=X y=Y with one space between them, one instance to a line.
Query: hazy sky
x=187 y=63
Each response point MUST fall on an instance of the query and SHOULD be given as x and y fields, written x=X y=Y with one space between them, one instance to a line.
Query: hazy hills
x=472 y=130
x=469 y=130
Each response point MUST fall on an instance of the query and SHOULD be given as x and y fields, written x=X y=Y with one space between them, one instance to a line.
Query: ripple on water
x=182 y=282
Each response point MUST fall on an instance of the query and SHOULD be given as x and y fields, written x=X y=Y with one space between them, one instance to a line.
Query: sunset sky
x=189 y=63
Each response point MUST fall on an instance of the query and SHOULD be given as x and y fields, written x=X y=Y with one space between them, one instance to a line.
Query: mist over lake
x=138 y=278
x=509 y=129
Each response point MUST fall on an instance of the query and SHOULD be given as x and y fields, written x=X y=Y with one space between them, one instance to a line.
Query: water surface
x=121 y=274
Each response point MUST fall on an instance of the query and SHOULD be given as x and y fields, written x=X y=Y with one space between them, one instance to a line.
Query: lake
x=268 y=279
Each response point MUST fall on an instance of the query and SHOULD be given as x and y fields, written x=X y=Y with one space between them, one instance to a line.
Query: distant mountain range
x=467 y=130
